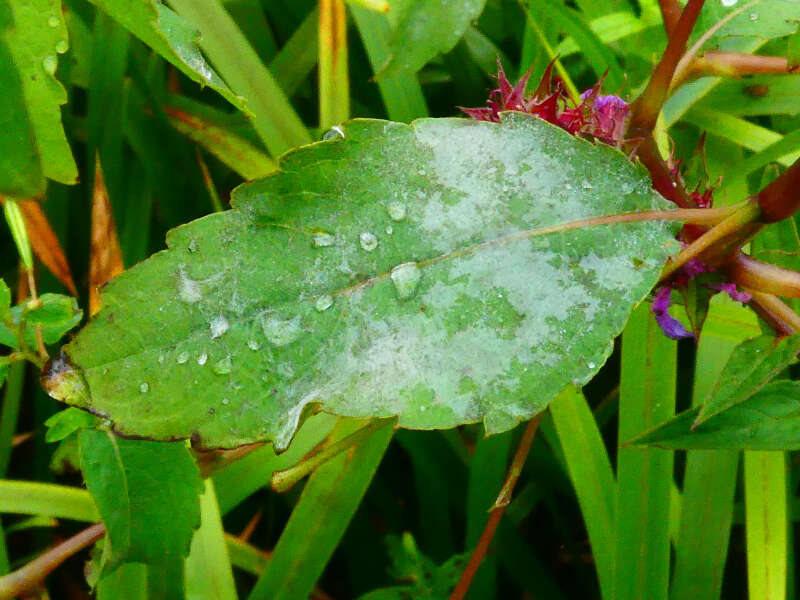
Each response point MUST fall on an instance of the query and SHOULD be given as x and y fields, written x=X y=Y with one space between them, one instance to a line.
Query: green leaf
x=426 y=28
x=768 y=420
x=170 y=36
x=752 y=365
x=4 y=362
x=757 y=95
x=147 y=495
x=400 y=270
x=761 y=20
x=5 y=302
x=32 y=34
x=65 y=422
x=55 y=315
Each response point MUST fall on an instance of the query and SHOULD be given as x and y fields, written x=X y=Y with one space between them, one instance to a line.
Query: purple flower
x=730 y=289
x=671 y=327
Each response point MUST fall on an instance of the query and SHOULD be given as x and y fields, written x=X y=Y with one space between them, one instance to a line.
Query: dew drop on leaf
x=729 y=2
x=223 y=366
x=144 y=387
x=225 y=401
x=182 y=358
x=188 y=289
x=397 y=211
x=202 y=359
x=62 y=46
x=253 y=345
x=333 y=133
x=53 y=21
x=218 y=327
x=193 y=245
x=389 y=230
x=368 y=241
x=281 y=332
x=323 y=302
x=406 y=278
x=49 y=64
x=322 y=240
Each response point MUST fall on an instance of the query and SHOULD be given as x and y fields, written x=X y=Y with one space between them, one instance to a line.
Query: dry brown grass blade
x=105 y=260
x=45 y=243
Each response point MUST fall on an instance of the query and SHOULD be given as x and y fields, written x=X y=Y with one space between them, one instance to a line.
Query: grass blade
x=765 y=481
x=334 y=83
x=590 y=471
x=320 y=518
x=644 y=478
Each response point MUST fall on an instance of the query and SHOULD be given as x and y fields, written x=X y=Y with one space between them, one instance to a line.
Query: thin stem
x=775 y=312
x=736 y=222
x=663 y=181
x=497 y=509
x=645 y=109
x=764 y=277
x=29 y=577
x=283 y=481
x=9 y=413
x=670 y=13
x=735 y=64
x=216 y=203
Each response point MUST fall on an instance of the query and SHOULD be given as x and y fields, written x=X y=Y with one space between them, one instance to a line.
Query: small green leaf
x=425 y=28
x=768 y=420
x=56 y=314
x=65 y=422
x=32 y=35
x=398 y=270
x=5 y=302
x=147 y=494
x=170 y=36
x=752 y=365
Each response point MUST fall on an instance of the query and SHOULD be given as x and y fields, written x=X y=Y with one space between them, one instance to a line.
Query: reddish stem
x=497 y=510
x=670 y=13
x=736 y=64
x=663 y=181
x=748 y=272
x=645 y=109
x=781 y=198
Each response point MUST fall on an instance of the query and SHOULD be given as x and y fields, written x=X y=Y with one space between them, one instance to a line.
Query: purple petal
x=735 y=294
x=671 y=327
x=694 y=267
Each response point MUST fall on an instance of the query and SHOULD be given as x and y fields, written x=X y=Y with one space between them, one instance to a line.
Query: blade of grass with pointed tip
x=320 y=518
x=273 y=116
x=644 y=477
x=766 y=523
x=45 y=243
x=590 y=471
x=334 y=81
x=387 y=258
x=615 y=26
x=710 y=477
x=60 y=501
x=401 y=93
x=297 y=58
x=753 y=364
x=208 y=567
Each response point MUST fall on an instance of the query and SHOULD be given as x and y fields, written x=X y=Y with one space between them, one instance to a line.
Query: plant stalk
x=781 y=198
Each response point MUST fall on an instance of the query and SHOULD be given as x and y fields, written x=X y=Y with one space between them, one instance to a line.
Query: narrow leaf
x=751 y=366
x=334 y=82
x=45 y=243
x=446 y=238
x=105 y=257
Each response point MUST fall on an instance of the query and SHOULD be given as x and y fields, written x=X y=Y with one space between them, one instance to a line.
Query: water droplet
x=406 y=278
x=218 y=327
x=397 y=211
x=281 y=332
x=591 y=365
x=161 y=358
x=144 y=387
x=202 y=359
x=333 y=133
x=62 y=46
x=729 y=2
x=322 y=240
x=53 y=21
x=225 y=401
x=423 y=408
x=368 y=241
x=389 y=230
x=586 y=185
x=324 y=302
x=182 y=358
x=50 y=64
x=193 y=246
x=253 y=345
x=753 y=17
x=188 y=289
x=223 y=367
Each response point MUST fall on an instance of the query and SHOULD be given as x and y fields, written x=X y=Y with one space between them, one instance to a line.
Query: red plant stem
x=770 y=279
x=670 y=13
x=663 y=181
x=29 y=577
x=645 y=109
x=781 y=198
x=497 y=510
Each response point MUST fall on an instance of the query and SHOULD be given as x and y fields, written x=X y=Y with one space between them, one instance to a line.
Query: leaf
x=756 y=95
x=768 y=420
x=32 y=34
x=5 y=302
x=56 y=314
x=105 y=256
x=752 y=365
x=762 y=20
x=65 y=422
x=4 y=362
x=45 y=243
x=170 y=36
x=426 y=28
x=400 y=270
x=148 y=497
